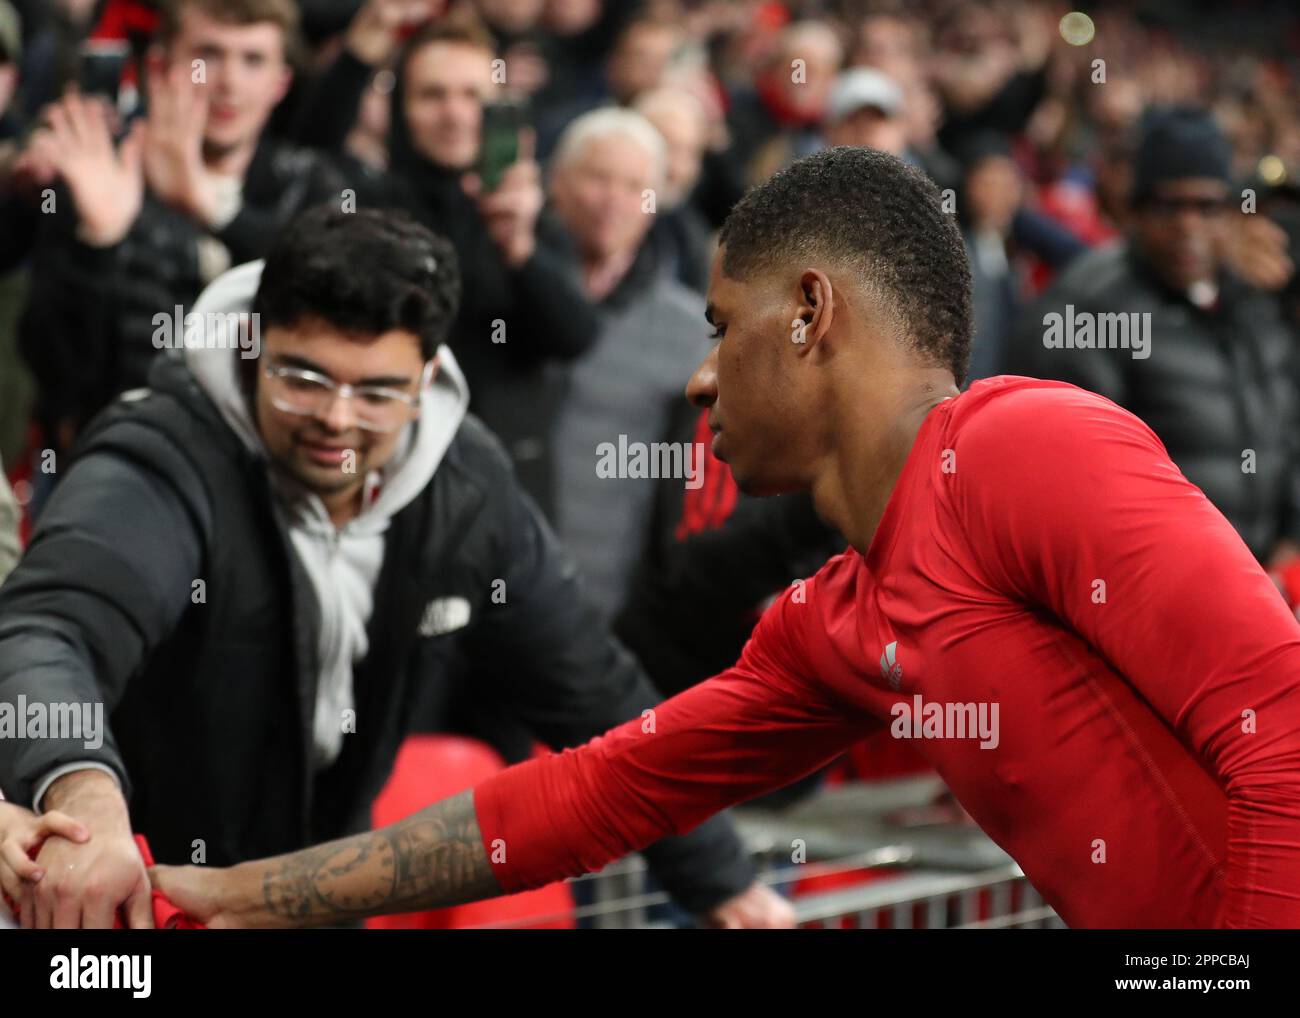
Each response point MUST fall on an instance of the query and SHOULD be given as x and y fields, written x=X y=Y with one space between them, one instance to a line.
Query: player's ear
x=815 y=309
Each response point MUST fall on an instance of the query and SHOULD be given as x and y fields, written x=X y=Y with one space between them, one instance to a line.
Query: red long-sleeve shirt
x=1040 y=553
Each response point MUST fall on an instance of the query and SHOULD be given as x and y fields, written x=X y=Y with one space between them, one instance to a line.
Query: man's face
x=326 y=451
x=820 y=56
x=446 y=86
x=245 y=70
x=641 y=60
x=870 y=127
x=993 y=192
x=684 y=134
x=760 y=397
x=888 y=44
x=598 y=194
x=1179 y=229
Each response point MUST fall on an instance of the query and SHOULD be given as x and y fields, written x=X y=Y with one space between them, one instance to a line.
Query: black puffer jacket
x=88 y=328
x=1217 y=386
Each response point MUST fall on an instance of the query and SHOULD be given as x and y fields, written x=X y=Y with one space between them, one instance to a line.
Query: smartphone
x=499 y=146
x=100 y=66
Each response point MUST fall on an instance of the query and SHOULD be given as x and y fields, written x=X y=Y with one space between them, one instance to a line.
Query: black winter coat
x=1218 y=388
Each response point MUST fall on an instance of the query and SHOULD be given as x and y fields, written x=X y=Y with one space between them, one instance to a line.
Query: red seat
x=433 y=767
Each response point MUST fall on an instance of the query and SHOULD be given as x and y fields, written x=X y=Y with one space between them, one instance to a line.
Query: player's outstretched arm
x=430 y=859
x=754 y=728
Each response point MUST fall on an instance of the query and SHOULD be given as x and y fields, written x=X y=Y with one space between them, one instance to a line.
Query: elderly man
x=608 y=165
x=679 y=226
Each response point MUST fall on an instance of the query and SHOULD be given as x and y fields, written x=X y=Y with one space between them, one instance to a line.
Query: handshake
x=78 y=866
x=57 y=872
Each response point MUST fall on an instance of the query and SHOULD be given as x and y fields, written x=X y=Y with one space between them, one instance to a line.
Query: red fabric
x=21 y=472
x=708 y=506
x=878 y=756
x=166 y=916
x=122 y=19
x=1076 y=208
x=771 y=91
x=1147 y=767
x=771 y=16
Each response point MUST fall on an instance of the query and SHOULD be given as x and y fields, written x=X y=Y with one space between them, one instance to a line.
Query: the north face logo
x=444 y=615
x=891 y=670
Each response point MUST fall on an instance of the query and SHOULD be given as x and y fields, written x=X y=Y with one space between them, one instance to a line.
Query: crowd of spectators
x=1030 y=125
x=1143 y=160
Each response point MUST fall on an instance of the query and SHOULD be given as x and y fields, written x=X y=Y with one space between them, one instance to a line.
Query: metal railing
x=1000 y=898
x=935 y=875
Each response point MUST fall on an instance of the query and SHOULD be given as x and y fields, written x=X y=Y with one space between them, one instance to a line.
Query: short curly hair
x=365 y=273
x=877 y=215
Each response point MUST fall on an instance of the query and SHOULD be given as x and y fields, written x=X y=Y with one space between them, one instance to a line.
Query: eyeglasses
x=310 y=394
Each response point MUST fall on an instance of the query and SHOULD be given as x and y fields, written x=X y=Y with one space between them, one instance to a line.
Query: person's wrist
x=519 y=250
x=241 y=898
x=200 y=204
x=74 y=785
x=88 y=794
x=102 y=235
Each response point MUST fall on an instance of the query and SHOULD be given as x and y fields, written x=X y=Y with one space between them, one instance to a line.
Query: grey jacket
x=620 y=394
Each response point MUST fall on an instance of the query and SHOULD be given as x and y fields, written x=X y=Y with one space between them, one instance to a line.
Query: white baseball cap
x=861 y=87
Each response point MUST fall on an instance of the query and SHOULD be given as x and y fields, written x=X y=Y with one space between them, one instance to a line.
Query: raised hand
x=374 y=33
x=510 y=212
x=173 y=144
x=106 y=183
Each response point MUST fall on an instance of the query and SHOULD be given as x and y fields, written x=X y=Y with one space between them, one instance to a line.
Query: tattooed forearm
x=431 y=859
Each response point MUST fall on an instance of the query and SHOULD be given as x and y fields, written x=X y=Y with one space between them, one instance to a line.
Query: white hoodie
x=343 y=563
